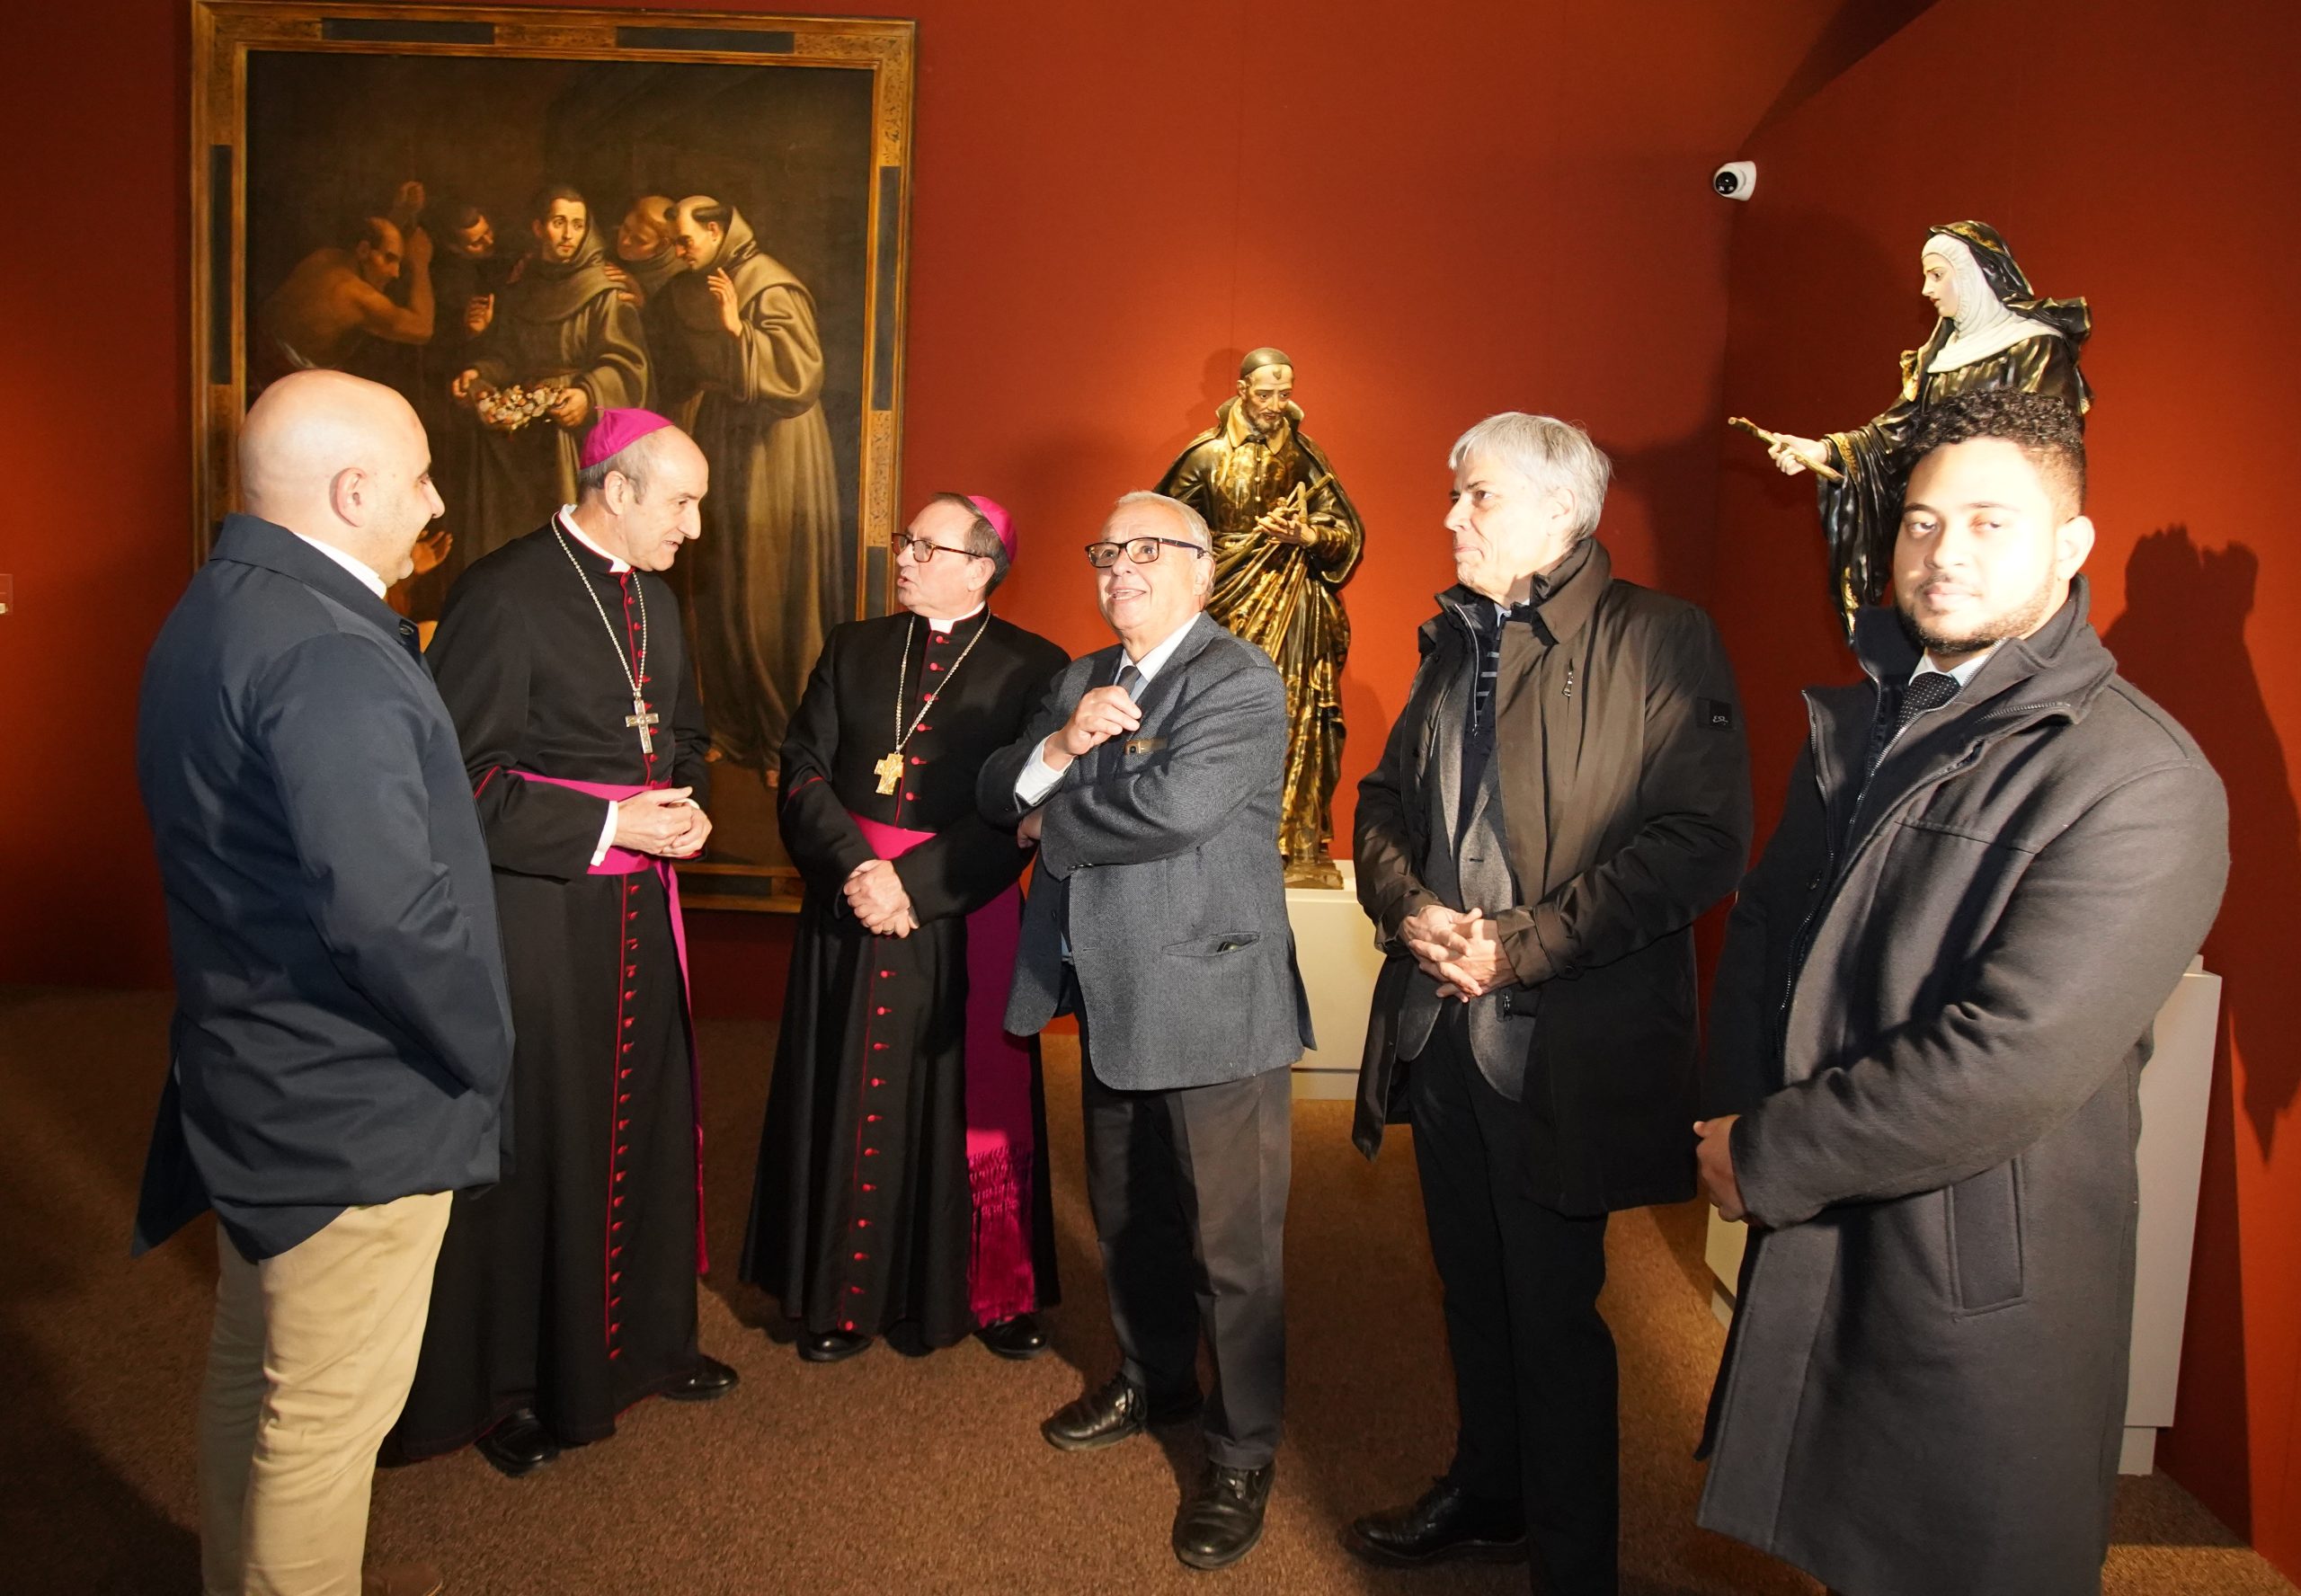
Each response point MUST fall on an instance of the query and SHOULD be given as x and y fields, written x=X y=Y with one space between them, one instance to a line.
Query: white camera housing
x=1736 y=180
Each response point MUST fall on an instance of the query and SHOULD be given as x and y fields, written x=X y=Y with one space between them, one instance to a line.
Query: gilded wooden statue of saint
x=1994 y=332
x=1286 y=537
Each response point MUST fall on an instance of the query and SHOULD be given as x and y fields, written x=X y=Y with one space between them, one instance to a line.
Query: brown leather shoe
x=401 y=1579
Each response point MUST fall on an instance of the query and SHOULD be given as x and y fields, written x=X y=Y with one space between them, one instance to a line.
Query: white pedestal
x=2175 y=1090
x=1333 y=945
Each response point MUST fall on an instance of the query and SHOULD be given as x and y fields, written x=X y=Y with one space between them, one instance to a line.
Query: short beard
x=2018 y=622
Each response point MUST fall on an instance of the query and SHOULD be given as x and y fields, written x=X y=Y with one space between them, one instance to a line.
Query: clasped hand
x=875 y=894
x=1462 y=952
x=663 y=822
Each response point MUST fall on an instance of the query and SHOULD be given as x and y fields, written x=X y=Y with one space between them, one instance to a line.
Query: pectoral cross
x=643 y=717
x=889 y=771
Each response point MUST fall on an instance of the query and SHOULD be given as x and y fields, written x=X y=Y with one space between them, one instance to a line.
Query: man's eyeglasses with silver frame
x=923 y=550
x=1142 y=551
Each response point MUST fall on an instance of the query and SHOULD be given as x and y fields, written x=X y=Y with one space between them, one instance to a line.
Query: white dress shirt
x=1037 y=778
x=374 y=583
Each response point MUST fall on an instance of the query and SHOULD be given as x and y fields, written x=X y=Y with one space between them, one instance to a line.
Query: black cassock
x=570 y=1286
x=863 y=1213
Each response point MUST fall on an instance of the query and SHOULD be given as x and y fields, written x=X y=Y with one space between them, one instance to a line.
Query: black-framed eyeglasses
x=1142 y=551
x=923 y=549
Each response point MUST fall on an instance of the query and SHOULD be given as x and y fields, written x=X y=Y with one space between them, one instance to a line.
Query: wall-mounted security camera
x=1736 y=180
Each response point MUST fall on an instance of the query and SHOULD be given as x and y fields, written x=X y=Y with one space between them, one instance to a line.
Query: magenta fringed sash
x=1000 y=1281
x=625 y=862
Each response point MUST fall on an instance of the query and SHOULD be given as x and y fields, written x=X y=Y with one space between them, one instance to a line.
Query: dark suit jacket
x=1160 y=863
x=1626 y=797
x=341 y=1035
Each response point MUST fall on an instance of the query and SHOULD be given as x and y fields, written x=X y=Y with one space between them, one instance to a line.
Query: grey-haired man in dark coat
x=1927 y=1036
x=1565 y=791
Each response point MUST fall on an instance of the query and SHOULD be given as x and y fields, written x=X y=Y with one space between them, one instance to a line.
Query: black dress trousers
x=1189 y=1188
x=1535 y=1369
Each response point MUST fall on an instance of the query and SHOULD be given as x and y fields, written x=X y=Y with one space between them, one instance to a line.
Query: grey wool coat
x=1159 y=861
x=1931 y=1012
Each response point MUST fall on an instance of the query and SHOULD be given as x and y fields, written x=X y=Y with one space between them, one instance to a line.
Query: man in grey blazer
x=1150 y=778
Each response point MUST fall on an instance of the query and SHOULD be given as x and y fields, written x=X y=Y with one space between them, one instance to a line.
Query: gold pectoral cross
x=889 y=771
x=643 y=717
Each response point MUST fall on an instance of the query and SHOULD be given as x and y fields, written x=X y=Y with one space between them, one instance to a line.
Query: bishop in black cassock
x=903 y=1173
x=566 y=1292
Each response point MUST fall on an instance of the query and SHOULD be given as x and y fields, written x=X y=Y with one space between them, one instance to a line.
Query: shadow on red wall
x=2181 y=640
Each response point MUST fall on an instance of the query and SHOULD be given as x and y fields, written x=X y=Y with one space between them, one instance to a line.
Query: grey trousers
x=1189 y=1188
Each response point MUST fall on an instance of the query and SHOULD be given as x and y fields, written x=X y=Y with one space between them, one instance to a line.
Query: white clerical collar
x=1150 y=663
x=375 y=584
x=616 y=567
x=1963 y=675
x=944 y=627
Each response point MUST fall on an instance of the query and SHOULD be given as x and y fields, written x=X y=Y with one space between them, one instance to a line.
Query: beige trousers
x=308 y=1366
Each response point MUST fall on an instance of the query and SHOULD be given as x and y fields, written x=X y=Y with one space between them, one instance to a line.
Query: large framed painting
x=517 y=216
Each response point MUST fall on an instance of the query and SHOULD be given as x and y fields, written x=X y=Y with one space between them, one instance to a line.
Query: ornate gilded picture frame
x=517 y=215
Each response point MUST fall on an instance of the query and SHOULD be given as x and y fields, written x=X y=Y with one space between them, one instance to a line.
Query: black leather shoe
x=831 y=1346
x=1447 y=1525
x=711 y=1380
x=1221 y=1521
x=1018 y=1339
x=520 y=1444
x=1119 y=1410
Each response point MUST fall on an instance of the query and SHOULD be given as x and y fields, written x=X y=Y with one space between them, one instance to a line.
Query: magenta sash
x=619 y=861
x=1001 y=1282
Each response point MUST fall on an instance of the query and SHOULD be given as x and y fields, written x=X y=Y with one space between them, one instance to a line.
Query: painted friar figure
x=1286 y=537
x=1994 y=332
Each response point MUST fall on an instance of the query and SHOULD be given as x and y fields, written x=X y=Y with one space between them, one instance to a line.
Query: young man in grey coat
x=1928 y=1030
x=1150 y=778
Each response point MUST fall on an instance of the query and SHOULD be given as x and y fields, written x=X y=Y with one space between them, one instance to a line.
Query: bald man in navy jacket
x=342 y=1038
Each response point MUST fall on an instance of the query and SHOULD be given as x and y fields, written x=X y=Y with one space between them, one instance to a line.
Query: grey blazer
x=1160 y=861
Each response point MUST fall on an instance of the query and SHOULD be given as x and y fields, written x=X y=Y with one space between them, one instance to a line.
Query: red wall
x=1483 y=206
x=2134 y=155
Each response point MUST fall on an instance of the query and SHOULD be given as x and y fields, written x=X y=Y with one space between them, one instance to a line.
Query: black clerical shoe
x=520 y=1444
x=830 y=1346
x=1018 y=1339
x=1219 y=1522
x=1447 y=1525
x=1119 y=1410
x=711 y=1380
